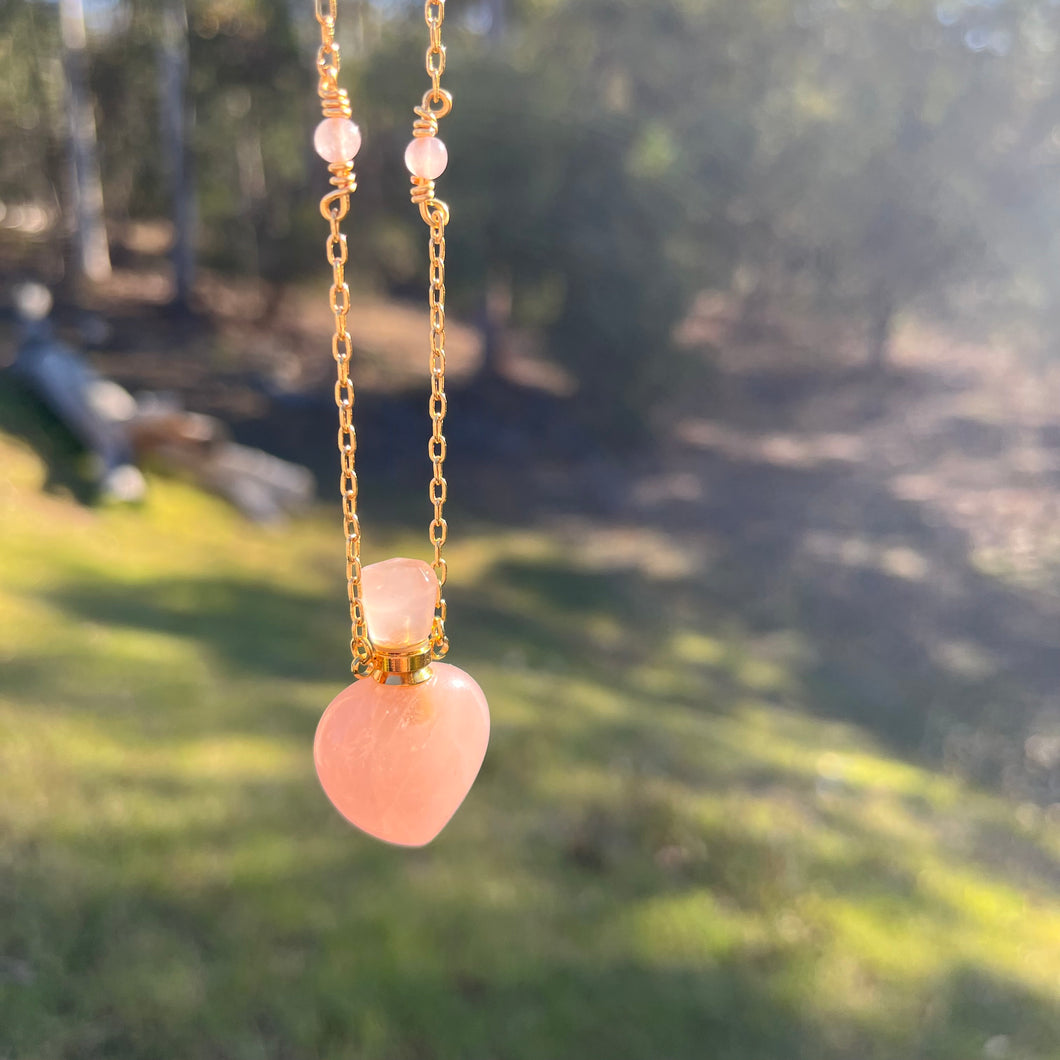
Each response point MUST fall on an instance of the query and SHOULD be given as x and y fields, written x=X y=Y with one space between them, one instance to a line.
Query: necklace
x=398 y=750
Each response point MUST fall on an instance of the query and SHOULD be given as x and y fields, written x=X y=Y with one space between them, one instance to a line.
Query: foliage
x=30 y=98
x=611 y=160
x=886 y=164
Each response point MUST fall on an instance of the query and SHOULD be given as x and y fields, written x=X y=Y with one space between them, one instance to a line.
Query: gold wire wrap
x=345 y=181
x=422 y=192
x=335 y=103
x=426 y=124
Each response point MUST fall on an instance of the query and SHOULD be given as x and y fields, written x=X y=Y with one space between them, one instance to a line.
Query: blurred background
x=754 y=469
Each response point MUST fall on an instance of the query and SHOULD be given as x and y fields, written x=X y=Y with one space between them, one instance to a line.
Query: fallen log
x=262 y=486
x=125 y=432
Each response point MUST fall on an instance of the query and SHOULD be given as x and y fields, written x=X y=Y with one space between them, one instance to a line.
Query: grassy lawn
x=667 y=854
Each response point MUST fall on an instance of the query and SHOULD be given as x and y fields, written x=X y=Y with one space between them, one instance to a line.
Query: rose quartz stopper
x=399 y=597
x=337 y=140
x=398 y=760
x=427 y=157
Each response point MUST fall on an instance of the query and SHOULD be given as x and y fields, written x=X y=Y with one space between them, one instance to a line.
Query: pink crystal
x=398 y=760
x=337 y=140
x=427 y=157
x=399 y=597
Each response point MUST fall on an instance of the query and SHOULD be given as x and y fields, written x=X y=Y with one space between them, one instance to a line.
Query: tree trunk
x=177 y=120
x=90 y=232
x=495 y=312
x=496 y=303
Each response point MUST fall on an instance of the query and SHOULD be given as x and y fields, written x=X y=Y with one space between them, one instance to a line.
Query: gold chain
x=436 y=103
x=434 y=13
x=438 y=490
x=334 y=206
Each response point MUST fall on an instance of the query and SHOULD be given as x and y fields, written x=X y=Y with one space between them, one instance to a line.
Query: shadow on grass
x=904 y=634
x=907 y=638
x=250 y=626
x=25 y=416
x=805 y=498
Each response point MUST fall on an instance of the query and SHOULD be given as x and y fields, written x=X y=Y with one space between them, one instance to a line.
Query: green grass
x=666 y=855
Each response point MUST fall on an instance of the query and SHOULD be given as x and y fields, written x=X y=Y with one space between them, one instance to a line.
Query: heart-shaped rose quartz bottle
x=397 y=760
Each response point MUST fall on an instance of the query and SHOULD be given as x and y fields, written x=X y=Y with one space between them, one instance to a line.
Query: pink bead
x=337 y=140
x=399 y=597
x=398 y=760
x=426 y=157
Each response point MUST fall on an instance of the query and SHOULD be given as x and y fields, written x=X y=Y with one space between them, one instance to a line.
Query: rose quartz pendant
x=397 y=760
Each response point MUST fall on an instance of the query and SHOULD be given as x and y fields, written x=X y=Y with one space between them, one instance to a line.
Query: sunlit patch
x=691 y=647
x=689 y=928
x=965 y=659
x=898 y=561
x=783 y=450
x=643 y=549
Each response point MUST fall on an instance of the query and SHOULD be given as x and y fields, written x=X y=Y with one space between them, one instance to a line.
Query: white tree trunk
x=177 y=120
x=90 y=231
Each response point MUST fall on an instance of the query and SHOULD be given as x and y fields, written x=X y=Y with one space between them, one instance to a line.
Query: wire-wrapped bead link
x=426 y=125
